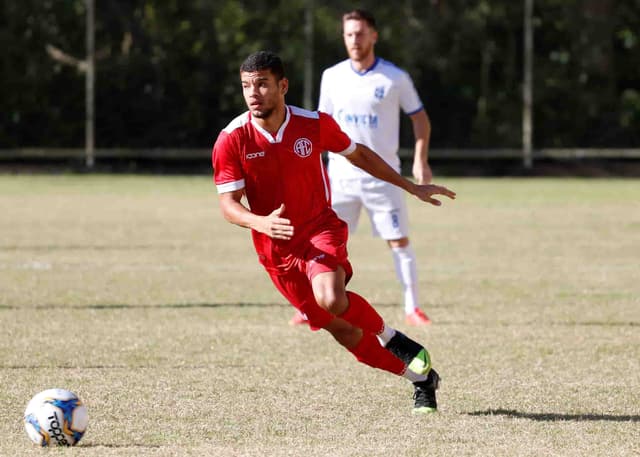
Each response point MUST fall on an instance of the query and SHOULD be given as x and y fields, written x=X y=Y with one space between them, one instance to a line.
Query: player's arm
x=422 y=134
x=272 y=224
x=372 y=163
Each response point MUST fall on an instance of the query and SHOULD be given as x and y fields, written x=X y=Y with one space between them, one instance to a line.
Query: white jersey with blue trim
x=367 y=107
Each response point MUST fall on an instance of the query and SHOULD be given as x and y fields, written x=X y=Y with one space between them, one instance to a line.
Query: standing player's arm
x=272 y=224
x=372 y=163
x=422 y=133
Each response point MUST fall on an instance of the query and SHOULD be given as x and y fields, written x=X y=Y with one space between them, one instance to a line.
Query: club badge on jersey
x=303 y=147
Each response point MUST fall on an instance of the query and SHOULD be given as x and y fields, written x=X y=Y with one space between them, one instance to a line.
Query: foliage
x=167 y=69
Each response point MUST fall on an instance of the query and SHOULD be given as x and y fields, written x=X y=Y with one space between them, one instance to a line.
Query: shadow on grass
x=157 y=306
x=556 y=417
x=123 y=367
x=598 y=324
x=89 y=247
x=169 y=306
x=470 y=323
x=120 y=446
x=108 y=306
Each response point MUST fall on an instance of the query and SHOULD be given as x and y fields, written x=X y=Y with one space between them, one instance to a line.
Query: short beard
x=263 y=114
x=363 y=55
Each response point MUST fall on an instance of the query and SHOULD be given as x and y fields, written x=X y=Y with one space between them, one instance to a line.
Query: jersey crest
x=303 y=147
x=379 y=92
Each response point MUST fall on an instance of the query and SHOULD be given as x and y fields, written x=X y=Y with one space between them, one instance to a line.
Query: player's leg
x=361 y=330
x=356 y=322
x=345 y=201
x=329 y=292
x=405 y=262
x=387 y=209
x=297 y=289
x=347 y=205
x=358 y=326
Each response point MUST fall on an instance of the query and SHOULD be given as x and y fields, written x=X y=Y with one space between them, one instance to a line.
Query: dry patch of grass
x=133 y=292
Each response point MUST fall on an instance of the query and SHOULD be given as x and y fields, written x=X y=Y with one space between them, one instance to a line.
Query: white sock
x=413 y=376
x=404 y=259
x=386 y=335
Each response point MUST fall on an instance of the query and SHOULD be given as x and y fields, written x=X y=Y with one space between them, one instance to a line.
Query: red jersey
x=282 y=168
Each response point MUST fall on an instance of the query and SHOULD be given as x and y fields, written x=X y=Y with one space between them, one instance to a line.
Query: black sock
x=403 y=347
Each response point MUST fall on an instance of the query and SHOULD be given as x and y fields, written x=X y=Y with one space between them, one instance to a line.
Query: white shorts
x=384 y=202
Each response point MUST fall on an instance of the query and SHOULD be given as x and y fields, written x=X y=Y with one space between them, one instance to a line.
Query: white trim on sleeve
x=349 y=150
x=230 y=186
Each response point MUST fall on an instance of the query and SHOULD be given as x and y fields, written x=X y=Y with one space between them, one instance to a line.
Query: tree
x=167 y=70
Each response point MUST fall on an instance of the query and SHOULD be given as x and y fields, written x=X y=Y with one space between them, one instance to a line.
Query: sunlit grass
x=134 y=293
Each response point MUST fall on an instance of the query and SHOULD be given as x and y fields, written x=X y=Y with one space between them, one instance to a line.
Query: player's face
x=262 y=92
x=359 y=39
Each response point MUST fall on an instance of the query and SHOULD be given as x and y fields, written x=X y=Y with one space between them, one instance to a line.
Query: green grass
x=134 y=292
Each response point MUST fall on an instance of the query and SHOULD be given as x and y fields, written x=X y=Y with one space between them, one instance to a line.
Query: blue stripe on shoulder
x=416 y=111
x=304 y=112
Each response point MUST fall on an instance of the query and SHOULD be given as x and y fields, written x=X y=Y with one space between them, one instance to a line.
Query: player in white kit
x=365 y=94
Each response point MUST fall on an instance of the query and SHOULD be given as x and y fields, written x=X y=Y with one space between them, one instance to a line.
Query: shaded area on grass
x=123 y=367
x=93 y=247
x=555 y=417
x=109 y=306
x=597 y=324
x=158 y=306
x=122 y=446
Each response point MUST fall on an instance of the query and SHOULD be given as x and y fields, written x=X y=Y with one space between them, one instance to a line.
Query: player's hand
x=422 y=172
x=425 y=193
x=277 y=227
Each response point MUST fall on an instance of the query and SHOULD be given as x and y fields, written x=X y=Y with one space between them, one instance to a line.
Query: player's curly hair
x=264 y=60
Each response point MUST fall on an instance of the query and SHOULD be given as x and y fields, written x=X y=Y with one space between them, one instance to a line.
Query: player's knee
x=331 y=300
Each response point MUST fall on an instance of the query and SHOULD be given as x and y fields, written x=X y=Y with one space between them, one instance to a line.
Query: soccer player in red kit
x=272 y=155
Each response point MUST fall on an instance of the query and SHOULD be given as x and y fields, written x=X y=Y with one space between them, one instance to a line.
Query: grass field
x=133 y=292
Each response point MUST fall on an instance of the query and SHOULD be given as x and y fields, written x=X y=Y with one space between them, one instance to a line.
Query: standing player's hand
x=275 y=226
x=426 y=191
x=422 y=172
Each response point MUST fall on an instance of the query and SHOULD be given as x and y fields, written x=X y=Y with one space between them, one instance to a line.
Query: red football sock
x=362 y=315
x=369 y=351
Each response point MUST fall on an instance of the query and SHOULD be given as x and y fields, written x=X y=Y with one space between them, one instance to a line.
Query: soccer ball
x=55 y=417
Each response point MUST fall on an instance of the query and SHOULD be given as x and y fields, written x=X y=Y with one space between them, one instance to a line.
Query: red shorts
x=322 y=251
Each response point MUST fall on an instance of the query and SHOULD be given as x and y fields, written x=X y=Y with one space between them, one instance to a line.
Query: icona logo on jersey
x=379 y=92
x=253 y=155
x=302 y=147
